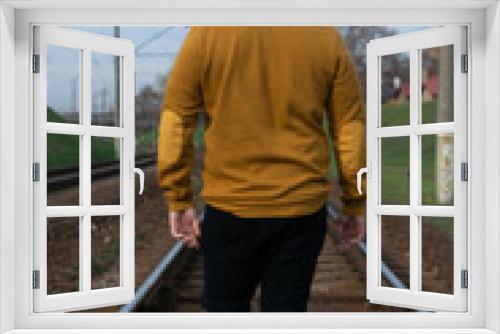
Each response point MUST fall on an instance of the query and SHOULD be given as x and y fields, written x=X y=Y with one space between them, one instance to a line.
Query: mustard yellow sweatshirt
x=265 y=91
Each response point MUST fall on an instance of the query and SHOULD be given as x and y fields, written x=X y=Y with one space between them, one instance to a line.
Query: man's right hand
x=352 y=230
x=185 y=226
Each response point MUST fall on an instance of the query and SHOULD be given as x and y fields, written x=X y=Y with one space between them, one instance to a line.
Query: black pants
x=240 y=253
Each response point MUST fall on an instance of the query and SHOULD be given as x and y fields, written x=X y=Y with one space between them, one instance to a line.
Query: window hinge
x=36 y=63
x=36 y=279
x=464 y=279
x=464 y=171
x=36 y=172
x=465 y=64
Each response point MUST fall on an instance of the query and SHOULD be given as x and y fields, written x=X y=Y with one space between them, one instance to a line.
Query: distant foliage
x=54 y=116
x=356 y=39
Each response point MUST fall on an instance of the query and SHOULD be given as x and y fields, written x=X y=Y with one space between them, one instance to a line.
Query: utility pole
x=75 y=104
x=117 y=120
x=444 y=142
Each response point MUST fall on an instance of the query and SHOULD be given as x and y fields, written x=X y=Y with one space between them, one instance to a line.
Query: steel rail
x=156 y=274
x=153 y=278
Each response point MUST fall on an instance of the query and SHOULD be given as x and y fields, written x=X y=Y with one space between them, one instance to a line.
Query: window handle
x=359 y=174
x=134 y=170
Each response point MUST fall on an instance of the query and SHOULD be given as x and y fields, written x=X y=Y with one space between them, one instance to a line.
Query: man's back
x=265 y=91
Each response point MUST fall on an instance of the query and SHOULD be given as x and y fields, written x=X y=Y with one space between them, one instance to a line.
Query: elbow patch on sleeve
x=171 y=138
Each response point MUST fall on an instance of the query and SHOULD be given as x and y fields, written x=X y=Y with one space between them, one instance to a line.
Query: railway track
x=338 y=286
x=61 y=178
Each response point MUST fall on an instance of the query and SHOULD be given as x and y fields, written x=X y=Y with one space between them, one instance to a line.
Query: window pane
x=105 y=251
x=395 y=239
x=437 y=84
x=63 y=169
x=105 y=154
x=63 y=84
x=437 y=254
x=395 y=89
x=437 y=169
x=395 y=170
x=105 y=89
x=63 y=255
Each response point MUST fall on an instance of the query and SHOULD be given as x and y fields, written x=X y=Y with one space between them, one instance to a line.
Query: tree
x=356 y=39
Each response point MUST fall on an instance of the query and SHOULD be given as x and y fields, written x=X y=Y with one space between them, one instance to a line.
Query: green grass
x=395 y=158
x=145 y=141
x=63 y=150
x=395 y=162
x=395 y=114
x=399 y=114
x=53 y=116
x=103 y=149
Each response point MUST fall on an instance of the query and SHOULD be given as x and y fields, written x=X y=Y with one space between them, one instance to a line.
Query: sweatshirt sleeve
x=347 y=123
x=182 y=100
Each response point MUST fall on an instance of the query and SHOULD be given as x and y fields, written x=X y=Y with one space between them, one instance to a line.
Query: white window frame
x=85 y=43
x=16 y=19
x=412 y=44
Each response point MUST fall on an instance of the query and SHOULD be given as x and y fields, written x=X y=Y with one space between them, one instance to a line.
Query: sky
x=156 y=48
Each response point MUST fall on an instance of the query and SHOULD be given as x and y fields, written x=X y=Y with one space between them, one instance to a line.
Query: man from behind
x=265 y=91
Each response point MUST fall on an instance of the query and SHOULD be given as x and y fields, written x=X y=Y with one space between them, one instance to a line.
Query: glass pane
x=437 y=84
x=395 y=239
x=63 y=170
x=105 y=251
x=63 y=255
x=437 y=254
x=395 y=89
x=105 y=89
x=63 y=84
x=437 y=169
x=395 y=170
x=105 y=154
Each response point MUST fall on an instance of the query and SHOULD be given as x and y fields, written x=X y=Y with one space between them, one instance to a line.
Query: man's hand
x=352 y=230
x=185 y=226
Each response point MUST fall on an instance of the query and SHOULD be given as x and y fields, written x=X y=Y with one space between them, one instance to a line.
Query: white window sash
x=413 y=297
x=86 y=297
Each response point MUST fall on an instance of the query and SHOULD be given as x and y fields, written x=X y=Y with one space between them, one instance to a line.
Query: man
x=265 y=91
